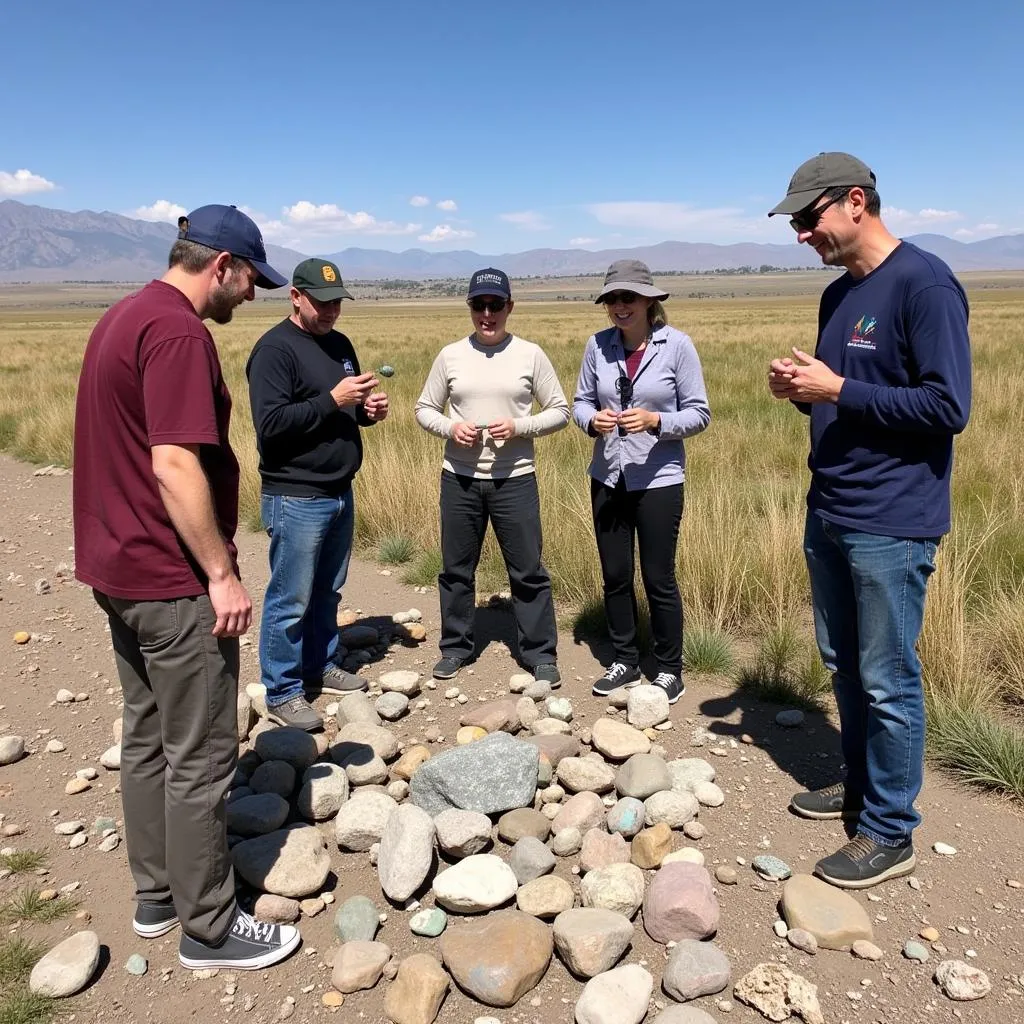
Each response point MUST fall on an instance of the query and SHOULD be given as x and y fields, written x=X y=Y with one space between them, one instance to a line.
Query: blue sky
x=513 y=126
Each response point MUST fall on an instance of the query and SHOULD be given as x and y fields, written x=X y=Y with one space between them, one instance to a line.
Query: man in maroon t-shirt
x=155 y=510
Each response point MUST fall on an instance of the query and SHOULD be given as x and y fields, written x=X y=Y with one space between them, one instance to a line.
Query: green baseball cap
x=820 y=173
x=321 y=279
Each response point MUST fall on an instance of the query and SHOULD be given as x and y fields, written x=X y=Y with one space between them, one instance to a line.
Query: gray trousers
x=179 y=749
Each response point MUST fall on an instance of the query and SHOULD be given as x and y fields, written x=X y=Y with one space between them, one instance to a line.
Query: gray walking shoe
x=336 y=680
x=824 y=804
x=862 y=863
x=248 y=946
x=296 y=712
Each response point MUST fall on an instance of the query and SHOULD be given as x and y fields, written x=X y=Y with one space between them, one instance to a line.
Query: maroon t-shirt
x=150 y=375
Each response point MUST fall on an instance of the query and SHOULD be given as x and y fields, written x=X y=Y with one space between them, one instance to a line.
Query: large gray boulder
x=492 y=775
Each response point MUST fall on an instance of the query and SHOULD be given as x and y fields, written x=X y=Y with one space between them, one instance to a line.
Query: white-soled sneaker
x=616 y=675
x=152 y=920
x=248 y=946
x=671 y=684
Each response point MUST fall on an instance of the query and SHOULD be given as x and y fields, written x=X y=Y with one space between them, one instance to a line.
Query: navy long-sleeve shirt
x=308 y=446
x=881 y=457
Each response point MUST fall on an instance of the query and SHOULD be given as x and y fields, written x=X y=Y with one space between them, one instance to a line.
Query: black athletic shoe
x=671 y=684
x=154 y=919
x=616 y=675
x=448 y=668
x=248 y=946
x=548 y=673
x=862 y=863
x=824 y=804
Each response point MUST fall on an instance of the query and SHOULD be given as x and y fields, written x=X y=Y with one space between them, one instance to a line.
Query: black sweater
x=307 y=445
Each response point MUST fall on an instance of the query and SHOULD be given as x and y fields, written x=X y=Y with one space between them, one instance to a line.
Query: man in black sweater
x=309 y=401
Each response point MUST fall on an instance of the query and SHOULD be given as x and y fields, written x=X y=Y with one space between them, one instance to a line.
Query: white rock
x=944 y=849
x=362 y=819
x=618 y=996
x=480 y=882
x=401 y=681
x=708 y=794
x=111 y=758
x=67 y=968
x=646 y=706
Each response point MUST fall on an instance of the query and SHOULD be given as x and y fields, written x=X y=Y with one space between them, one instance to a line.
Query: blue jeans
x=868 y=593
x=310 y=547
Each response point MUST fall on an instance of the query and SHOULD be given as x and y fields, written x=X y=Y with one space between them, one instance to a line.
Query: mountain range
x=38 y=244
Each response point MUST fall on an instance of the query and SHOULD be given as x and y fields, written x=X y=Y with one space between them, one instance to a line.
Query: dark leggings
x=652 y=516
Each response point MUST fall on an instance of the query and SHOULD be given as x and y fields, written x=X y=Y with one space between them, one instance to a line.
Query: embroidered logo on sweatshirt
x=863 y=333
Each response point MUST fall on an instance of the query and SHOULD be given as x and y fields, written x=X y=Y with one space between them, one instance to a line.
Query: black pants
x=651 y=516
x=512 y=506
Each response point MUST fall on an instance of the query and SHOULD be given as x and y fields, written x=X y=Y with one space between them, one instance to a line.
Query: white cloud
x=448 y=204
x=583 y=241
x=161 y=210
x=528 y=220
x=685 y=219
x=328 y=218
x=446 y=233
x=986 y=230
x=926 y=219
x=22 y=182
x=419 y=201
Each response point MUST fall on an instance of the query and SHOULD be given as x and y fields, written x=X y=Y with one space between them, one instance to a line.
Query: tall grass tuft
x=22 y=861
x=707 y=650
x=27 y=906
x=423 y=572
x=396 y=549
x=782 y=671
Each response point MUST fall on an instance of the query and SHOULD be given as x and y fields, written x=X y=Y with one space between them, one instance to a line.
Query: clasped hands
x=808 y=380
x=468 y=435
x=632 y=421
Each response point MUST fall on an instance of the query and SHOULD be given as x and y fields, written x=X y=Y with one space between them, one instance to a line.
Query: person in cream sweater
x=479 y=397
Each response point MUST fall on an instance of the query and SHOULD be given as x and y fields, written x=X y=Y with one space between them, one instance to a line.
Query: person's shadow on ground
x=811 y=753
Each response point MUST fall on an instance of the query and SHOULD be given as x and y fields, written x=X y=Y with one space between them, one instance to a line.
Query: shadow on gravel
x=809 y=754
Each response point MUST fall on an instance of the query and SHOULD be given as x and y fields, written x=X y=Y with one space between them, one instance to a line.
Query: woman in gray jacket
x=640 y=392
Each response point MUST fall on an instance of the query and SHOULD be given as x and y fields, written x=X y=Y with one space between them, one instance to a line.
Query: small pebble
x=913 y=950
x=944 y=849
x=137 y=965
x=332 y=998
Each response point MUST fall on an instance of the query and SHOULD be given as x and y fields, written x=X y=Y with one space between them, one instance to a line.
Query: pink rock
x=680 y=903
x=583 y=811
x=601 y=849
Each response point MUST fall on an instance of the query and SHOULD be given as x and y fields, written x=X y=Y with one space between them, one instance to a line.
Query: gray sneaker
x=248 y=946
x=296 y=712
x=337 y=681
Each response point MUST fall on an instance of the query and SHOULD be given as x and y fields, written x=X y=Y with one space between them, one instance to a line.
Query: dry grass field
x=740 y=561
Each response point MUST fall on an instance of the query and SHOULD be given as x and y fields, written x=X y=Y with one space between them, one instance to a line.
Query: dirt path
x=965 y=897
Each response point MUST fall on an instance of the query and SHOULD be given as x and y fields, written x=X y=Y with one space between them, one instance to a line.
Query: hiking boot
x=548 y=673
x=671 y=684
x=154 y=919
x=616 y=675
x=862 y=863
x=248 y=946
x=448 y=668
x=296 y=712
x=336 y=680
x=824 y=804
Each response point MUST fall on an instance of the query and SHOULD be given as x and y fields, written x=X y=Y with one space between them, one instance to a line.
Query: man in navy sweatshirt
x=888 y=387
x=309 y=401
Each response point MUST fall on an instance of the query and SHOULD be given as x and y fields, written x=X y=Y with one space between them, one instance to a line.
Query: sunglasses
x=481 y=305
x=614 y=298
x=807 y=219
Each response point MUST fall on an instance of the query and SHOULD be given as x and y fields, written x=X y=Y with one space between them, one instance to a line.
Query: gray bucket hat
x=630 y=276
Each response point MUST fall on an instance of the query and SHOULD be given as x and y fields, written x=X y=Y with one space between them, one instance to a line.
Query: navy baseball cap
x=227 y=229
x=489 y=282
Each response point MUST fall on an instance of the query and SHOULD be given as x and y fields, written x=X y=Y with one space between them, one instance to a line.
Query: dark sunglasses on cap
x=482 y=304
x=626 y=298
x=808 y=218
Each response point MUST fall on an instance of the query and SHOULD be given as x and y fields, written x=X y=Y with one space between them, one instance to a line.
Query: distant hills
x=38 y=244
